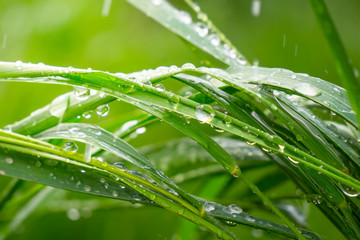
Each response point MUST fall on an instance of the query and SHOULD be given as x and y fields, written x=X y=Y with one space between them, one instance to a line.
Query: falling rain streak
x=4 y=41
x=256 y=8
x=106 y=8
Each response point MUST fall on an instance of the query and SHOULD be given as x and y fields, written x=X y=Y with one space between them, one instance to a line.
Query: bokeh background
x=75 y=33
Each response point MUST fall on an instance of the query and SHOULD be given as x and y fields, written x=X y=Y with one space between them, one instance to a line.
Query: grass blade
x=342 y=62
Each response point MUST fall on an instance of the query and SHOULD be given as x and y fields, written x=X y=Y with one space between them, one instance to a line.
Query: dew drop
x=257 y=233
x=9 y=160
x=120 y=165
x=307 y=90
x=188 y=66
x=87 y=115
x=160 y=87
x=234 y=209
x=214 y=40
x=202 y=29
x=37 y=164
x=73 y=214
x=87 y=188
x=230 y=223
x=184 y=17
x=81 y=93
x=228 y=120
x=282 y=148
x=250 y=219
x=141 y=130
x=115 y=194
x=349 y=191
x=204 y=113
x=292 y=160
x=209 y=207
x=18 y=64
x=103 y=110
x=157 y=2
x=250 y=143
x=70 y=147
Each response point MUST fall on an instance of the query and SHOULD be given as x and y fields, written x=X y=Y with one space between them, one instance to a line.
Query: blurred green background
x=74 y=33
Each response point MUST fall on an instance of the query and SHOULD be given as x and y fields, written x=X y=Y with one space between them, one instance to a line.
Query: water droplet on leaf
x=70 y=147
x=307 y=90
x=103 y=110
x=204 y=113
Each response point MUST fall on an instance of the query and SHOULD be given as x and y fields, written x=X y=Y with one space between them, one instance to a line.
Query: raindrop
x=257 y=233
x=18 y=64
x=141 y=130
x=120 y=165
x=188 y=66
x=160 y=87
x=38 y=164
x=307 y=90
x=256 y=8
x=202 y=29
x=209 y=207
x=87 y=188
x=184 y=17
x=70 y=147
x=250 y=219
x=214 y=40
x=81 y=93
x=234 y=209
x=9 y=160
x=250 y=143
x=204 y=113
x=103 y=110
x=115 y=194
x=228 y=120
x=292 y=160
x=73 y=214
x=349 y=191
x=281 y=147
x=87 y=114
x=157 y=2
x=230 y=223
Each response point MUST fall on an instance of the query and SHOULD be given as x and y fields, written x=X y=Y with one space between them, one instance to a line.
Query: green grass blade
x=50 y=165
x=174 y=103
x=243 y=218
x=342 y=62
x=94 y=135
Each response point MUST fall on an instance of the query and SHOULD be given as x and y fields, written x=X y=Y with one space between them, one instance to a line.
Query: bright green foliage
x=240 y=118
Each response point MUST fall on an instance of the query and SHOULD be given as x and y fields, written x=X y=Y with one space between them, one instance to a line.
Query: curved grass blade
x=237 y=216
x=181 y=23
x=92 y=134
x=324 y=93
x=184 y=159
x=342 y=61
x=54 y=167
x=186 y=107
